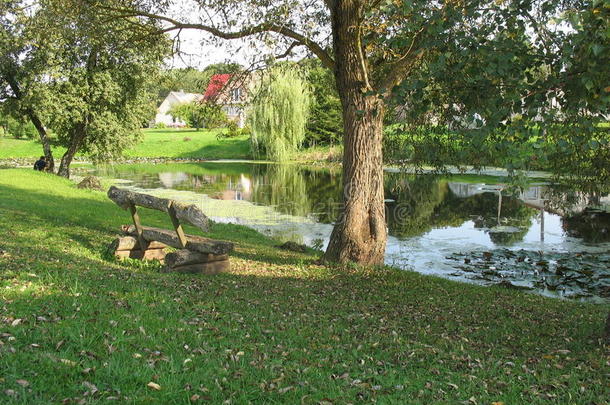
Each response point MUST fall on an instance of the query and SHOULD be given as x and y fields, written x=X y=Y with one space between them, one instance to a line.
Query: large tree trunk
x=76 y=140
x=360 y=234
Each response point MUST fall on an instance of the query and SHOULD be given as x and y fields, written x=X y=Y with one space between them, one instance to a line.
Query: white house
x=172 y=99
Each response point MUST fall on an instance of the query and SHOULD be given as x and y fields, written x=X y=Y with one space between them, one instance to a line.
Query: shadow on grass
x=46 y=211
x=96 y=213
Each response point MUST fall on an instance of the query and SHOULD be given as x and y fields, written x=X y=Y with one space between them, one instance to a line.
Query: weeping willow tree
x=278 y=116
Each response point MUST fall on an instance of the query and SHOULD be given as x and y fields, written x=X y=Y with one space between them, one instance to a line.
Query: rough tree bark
x=360 y=234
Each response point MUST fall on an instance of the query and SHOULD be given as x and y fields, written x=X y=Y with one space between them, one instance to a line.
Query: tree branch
x=287 y=52
x=400 y=67
x=314 y=47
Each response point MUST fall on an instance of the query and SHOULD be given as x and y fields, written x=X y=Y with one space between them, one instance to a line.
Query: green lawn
x=24 y=148
x=189 y=143
x=166 y=143
x=76 y=325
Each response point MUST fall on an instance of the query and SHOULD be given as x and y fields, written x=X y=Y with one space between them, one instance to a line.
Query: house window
x=236 y=94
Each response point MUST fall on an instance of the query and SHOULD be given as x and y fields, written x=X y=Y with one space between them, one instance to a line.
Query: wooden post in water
x=499 y=205
x=542 y=223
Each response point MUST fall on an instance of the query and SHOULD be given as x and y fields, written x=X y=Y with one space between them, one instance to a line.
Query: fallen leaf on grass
x=68 y=362
x=91 y=387
x=23 y=383
x=16 y=322
x=153 y=386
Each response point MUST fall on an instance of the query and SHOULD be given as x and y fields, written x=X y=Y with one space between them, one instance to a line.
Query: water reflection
x=431 y=219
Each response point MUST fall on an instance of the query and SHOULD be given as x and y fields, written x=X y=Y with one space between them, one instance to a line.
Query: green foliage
x=18 y=128
x=97 y=90
x=182 y=111
x=515 y=93
x=325 y=122
x=22 y=61
x=233 y=131
x=200 y=114
x=86 y=76
x=279 y=114
x=555 y=148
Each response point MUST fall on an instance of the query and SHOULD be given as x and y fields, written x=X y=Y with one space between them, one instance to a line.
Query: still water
x=469 y=228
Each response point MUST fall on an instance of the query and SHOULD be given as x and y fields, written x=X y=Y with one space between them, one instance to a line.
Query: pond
x=469 y=228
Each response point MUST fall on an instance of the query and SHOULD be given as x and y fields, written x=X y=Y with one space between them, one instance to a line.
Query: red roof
x=217 y=82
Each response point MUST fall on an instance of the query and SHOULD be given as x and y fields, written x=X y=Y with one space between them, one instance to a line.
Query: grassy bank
x=24 y=148
x=168 y=143
x=172 y=144
x=276 y=329
x=189 y=143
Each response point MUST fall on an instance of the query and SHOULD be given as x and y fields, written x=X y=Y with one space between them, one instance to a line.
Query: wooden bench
x=196 y=254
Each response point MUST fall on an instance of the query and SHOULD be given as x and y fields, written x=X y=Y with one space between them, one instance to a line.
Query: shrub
x=233 y=131
x=200 y=114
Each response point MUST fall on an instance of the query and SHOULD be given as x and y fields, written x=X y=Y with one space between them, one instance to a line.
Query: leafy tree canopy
x=85 y=75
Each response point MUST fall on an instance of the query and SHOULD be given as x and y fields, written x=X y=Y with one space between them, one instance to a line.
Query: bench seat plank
x=193 y=242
